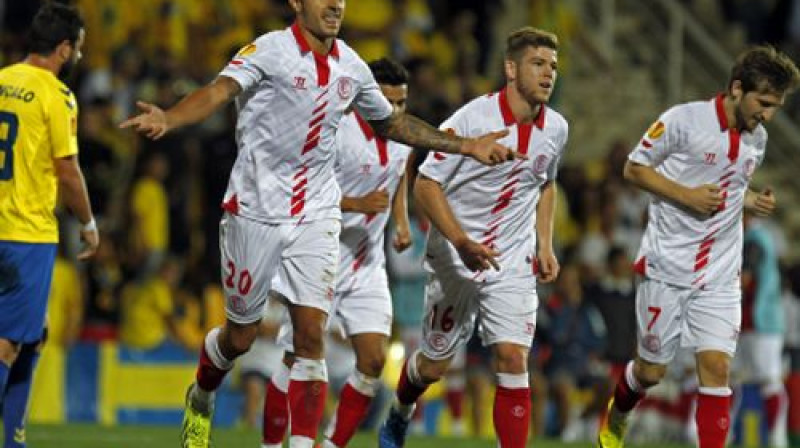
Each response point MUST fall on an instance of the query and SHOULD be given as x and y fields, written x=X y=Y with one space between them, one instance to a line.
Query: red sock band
x=306 y=403
x=713 y=420
x=208 y=376
x=407 y=392
x=512 y=416
x=352 y=409
x=276 y=415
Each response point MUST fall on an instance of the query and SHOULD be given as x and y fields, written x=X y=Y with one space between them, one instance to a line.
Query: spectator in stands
x=614 y=296
x=147 y=311
x=577 y=338
x=149 y=228
x=761 y=340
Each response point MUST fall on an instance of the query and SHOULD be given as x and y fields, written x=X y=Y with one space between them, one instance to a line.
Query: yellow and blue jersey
x=38 y=123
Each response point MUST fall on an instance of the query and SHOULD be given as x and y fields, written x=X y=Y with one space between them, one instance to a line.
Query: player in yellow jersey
x=38 y=159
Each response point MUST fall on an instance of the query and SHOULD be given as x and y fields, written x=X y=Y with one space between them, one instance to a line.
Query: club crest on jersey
x=540 y=164
x=344 y=88
x=749 y=168
x=656 y=130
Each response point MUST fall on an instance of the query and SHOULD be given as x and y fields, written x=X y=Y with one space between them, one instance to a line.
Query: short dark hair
x=528 y=36
x=764 y=69
x=54 y=23
x=388 y=71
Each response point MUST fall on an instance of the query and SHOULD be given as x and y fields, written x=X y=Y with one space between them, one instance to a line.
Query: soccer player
x=697 y=160
x=38 y=160
x=282 y=203
x=484 y=217
x=371 y=173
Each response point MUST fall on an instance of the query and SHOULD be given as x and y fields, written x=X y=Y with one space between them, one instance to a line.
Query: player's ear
x=64 y=50
x=736 y=90
x=511 y=69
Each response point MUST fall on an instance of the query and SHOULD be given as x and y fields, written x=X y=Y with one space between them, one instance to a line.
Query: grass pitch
x=93 y=436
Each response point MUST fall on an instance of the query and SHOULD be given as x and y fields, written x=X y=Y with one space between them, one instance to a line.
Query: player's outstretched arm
x=412 y=131
x=431 y=199
x=402 y=239
x=376 y=201
x=72 y=187
x=703 y=200
x=154 y=122
x=545 y=215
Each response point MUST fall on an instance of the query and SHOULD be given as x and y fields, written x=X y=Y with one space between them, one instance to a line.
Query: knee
x=308 y=341
x=510 y=358
x=235 y=340
x=371 y=364
x=431 y=371
x=713 y=369
x=648 y=374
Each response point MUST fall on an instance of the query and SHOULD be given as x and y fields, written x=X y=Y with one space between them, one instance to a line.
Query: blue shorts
x=26 y=271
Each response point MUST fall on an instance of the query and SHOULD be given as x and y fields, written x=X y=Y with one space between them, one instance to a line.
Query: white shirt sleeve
x=664 y=137
x=552 y=170
x=369 y=100
x=252 y=63
x=440 y=166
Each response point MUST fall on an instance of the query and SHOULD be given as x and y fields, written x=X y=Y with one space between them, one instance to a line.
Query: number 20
x=11 y=124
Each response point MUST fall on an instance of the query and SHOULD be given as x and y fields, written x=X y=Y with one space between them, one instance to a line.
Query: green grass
x=92 y=436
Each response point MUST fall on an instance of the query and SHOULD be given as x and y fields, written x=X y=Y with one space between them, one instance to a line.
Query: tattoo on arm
x=415 y=132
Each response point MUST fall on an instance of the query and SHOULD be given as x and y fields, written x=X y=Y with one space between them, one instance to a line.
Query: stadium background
x=125 y=328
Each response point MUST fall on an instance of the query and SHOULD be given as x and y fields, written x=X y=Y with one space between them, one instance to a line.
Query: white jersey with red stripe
x=365 y=163
x=692 y=145
x=496 y=205
x=288 y=112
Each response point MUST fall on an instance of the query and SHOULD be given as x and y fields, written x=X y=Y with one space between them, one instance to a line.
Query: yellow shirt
x=151 y=210
x=38 y=123
x=145 y=310
x=65 y=307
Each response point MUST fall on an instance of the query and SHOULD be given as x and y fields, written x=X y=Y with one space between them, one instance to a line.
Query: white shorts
x=505 y=308
x=669 y=317
x=304 y=257
x=357 y=311
x=759 y=358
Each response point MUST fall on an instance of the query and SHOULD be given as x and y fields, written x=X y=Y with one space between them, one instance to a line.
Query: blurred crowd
x=156 y=277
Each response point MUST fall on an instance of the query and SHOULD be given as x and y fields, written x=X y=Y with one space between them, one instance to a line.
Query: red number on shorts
x=245 y=279
x=245 y=282
x=231 y=274
x=447 y=323
x=656 y=310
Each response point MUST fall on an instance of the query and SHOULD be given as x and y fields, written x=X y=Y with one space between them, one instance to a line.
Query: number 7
x=656 y=310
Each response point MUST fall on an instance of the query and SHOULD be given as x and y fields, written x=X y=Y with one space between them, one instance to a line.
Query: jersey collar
x=305 y=47
x=720 y=108
x=508 y=116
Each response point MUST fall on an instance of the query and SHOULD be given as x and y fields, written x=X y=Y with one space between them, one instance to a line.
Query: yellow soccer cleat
x=612 y=428
x=196 y=427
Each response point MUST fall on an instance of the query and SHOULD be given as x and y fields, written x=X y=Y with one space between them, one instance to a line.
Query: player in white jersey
x=485 y=217
x=697 y=161
x=292 y=88
x=371 y=173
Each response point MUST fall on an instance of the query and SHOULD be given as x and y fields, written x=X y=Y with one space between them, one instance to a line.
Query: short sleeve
x=369 y=100
x=251 y=64
x=439 y=166
x=661 y=139
x=63 y=123
x=552 y=169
